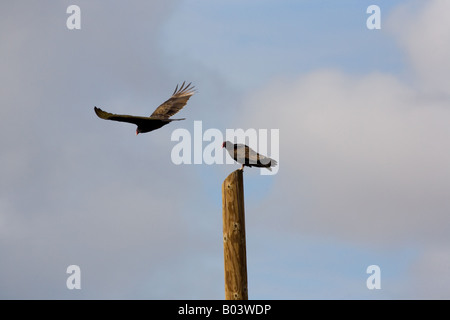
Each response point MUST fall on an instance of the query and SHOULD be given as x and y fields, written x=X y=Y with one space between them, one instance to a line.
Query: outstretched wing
x=122 y=117
x=178 y=100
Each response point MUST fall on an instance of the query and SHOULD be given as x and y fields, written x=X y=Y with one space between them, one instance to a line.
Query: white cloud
x=366 y=158
x=363 y=157
x=76 y=189
x=423 y=29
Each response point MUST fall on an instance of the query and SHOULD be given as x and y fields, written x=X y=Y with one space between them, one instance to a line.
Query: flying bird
x=160 y=117
x=246 y=156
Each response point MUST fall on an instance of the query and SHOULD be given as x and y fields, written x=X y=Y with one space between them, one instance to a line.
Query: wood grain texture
x=234 y=247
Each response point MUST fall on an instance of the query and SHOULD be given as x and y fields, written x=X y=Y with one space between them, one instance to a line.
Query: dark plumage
x=247 y=156
x=160 y=117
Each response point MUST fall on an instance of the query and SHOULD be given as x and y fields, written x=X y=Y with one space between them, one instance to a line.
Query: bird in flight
x=160 y=117
x=246 y=156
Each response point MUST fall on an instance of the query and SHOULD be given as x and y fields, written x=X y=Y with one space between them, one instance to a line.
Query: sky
x=364 y=149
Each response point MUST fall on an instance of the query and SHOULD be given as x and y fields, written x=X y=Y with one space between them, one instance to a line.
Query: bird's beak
x=137 y=132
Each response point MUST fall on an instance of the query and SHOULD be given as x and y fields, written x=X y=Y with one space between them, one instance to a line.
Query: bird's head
x=227 y=145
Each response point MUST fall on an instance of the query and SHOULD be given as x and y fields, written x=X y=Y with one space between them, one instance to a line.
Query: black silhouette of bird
x=160 y=117
x=246 y=156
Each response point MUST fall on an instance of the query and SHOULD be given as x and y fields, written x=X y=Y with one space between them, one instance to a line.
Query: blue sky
x=266 y=39
x=364 y=152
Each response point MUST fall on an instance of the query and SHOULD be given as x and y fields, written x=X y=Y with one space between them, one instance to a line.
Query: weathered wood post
x=234 y=250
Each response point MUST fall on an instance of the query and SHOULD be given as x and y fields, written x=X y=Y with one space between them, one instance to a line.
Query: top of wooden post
x=235 y=260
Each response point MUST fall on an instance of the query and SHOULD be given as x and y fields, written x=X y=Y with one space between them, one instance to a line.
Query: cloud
x=364 y=158
x=75 y=189
x=423 y=30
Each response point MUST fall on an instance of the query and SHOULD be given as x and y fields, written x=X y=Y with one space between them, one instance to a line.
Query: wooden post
x=234 y=249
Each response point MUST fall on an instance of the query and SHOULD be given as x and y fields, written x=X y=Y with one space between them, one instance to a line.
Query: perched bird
x=247 y=156
x=160 y=117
